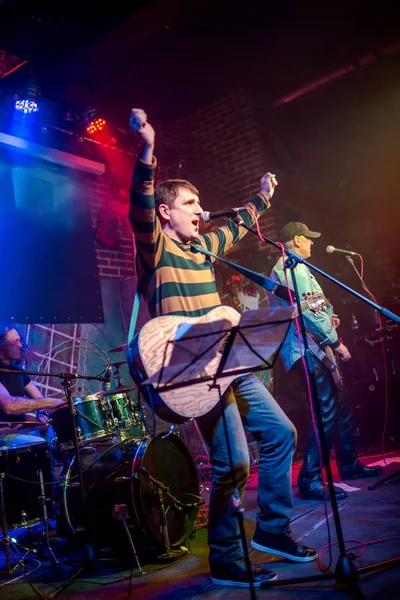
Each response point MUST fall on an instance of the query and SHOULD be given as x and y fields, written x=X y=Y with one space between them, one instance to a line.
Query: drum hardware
x=116 y=365
x=120 y=512
x=9 y=542
x=114 y=477
x=117 y=374
x=43 y=504
x=160 y=490
x=121 y=348
x=6 y=538
x=89 y=557
x=118 y=390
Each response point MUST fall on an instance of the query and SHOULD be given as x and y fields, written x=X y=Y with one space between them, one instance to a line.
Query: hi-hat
x=121 y=348
x=118 y=390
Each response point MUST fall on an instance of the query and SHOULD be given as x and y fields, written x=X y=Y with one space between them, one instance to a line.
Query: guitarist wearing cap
x=335 y=409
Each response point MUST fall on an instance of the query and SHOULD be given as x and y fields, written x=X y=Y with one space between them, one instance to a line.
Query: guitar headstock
x=315 y=302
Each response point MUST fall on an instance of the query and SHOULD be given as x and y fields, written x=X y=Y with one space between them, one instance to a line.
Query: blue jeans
x=247 y=403
x=337 y=420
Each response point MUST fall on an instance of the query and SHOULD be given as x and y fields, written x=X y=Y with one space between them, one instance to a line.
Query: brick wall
x=229 y=158
x=118 y=262
x=219 y=148
x=229 y=154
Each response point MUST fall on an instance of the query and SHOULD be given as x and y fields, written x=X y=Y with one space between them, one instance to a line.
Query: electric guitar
x=317 y=303
x=335 y=369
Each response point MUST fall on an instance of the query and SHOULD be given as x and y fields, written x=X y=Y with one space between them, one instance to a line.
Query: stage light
x=26 y=106
x=26 y=101
x=96 y=126
x=93 y=123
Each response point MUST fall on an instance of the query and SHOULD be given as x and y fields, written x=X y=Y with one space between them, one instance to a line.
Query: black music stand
x=346 y=574
x=251 y=345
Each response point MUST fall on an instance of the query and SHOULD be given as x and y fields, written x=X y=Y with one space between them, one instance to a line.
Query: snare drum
x=21 y=466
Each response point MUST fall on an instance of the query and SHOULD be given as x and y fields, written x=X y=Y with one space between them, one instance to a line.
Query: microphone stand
x=346 y=574
x=89 y=551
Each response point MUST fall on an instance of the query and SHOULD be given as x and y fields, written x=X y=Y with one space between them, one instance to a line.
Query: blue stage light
x=26 y=106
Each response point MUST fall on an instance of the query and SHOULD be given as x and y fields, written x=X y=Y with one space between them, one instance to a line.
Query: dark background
x=323 y=84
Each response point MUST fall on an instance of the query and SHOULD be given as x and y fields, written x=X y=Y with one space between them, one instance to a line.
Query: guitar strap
x=134 y=315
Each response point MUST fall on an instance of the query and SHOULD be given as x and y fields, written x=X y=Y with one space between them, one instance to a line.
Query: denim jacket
x=318 y=325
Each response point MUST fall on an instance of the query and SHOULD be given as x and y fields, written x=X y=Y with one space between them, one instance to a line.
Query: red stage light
x=96 y=126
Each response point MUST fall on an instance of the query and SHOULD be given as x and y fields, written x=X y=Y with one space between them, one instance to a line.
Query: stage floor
x=367 y=517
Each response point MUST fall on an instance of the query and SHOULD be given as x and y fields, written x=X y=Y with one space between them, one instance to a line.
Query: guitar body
x=334 y=367
x=150 y=351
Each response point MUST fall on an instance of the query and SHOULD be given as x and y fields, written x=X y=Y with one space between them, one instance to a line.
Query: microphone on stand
x=207 y=216
x=331 y=249
x=106 y=385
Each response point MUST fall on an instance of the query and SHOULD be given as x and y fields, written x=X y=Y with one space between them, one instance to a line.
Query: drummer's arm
x=34 y=392
x=18 y=405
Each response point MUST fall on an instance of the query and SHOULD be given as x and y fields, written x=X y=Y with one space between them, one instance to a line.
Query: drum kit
x=119 y=487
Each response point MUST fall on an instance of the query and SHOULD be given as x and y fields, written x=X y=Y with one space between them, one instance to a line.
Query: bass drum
x=129 y=472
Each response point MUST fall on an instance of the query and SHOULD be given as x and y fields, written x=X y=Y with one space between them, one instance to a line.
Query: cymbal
x=118 y=364
x=118 y=390
x=121 y=348
x=14 y=424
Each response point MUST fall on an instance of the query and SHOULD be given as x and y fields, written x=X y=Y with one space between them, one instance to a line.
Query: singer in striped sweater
x=175 y=279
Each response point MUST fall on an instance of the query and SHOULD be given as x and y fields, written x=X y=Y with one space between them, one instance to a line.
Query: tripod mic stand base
x=346 y=573
x=172 y=555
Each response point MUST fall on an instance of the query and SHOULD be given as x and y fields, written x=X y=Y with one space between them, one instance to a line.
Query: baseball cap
x=290 y=230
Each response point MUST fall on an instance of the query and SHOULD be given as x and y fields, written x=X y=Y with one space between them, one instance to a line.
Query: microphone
x=331 y=249
x=207 y=216
x=106 y=385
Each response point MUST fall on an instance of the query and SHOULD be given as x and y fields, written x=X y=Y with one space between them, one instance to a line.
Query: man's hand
x=54 y=403
x=268 y=184
x=343 y=353
x=138 y=122
x=42 y=418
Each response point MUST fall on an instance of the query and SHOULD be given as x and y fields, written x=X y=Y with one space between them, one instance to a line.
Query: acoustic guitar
x=151 y=349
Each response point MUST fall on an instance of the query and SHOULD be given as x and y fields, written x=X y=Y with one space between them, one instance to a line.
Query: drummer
x=19 y=395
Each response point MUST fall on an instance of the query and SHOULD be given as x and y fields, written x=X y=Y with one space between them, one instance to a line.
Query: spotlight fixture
x=93 y=123
x=26 y=100
x=26 y=106
x=96 y=125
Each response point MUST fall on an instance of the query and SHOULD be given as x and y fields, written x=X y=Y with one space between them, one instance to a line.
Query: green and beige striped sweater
x=174 y=278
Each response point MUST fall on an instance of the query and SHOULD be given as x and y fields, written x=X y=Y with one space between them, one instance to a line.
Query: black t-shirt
x=15 y=385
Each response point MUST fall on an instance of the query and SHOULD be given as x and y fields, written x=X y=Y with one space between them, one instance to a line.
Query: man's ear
x=163 y=209
x=296 y=241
